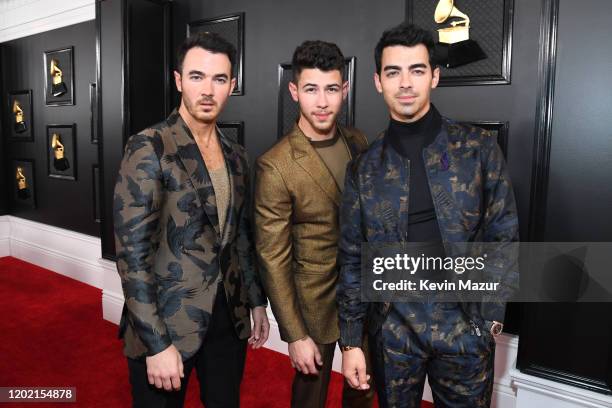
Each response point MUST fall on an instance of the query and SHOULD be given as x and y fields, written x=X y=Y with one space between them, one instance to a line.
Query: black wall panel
x=272 y=31
x=569 y=342
x=133 y=83
x=62 y=203
x=3 y=161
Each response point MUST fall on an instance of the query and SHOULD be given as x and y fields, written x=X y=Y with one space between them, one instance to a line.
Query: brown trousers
x=310 y=391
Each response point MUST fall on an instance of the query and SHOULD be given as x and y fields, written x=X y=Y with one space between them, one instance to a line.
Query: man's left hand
x=261 y=327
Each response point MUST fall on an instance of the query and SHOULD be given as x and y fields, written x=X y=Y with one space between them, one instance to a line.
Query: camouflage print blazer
x=472 y=197
x=170 y=254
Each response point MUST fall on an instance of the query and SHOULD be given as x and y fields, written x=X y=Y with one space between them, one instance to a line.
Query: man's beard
x=206 y=117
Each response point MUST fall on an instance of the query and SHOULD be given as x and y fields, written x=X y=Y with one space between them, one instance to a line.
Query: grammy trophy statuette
x=20 y=125
x=60 y=162
x=455 y=48
x=23 y=192
x=58 y=87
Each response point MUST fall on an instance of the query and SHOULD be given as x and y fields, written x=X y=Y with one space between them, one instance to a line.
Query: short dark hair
x=317 y=54
x=408 y=35
x=209 y=41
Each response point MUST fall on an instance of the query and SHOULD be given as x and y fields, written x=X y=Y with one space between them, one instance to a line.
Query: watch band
x=494 y=327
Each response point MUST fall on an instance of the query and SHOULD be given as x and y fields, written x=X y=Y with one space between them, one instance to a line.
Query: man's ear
x=177 y=81
x=293 y=90
x=345 y=89
x=377 y=82
x=436 y=77
x=232 y=85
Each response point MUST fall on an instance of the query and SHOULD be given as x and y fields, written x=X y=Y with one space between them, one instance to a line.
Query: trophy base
x=23 y=194
x=61 y=164
x=58 y=89
x=20 y=127
x=457 y=54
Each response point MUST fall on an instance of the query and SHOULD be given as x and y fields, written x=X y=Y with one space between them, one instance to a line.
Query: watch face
x=497 y=328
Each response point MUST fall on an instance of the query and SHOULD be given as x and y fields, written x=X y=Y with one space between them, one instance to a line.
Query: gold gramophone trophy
x=20 y=125
x=455 y=47
x=23 y=192
x=58 y=87
x=60 y=162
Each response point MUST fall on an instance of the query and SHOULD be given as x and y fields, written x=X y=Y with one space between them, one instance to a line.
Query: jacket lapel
x=307 y=158
x=235 y=170
x=193 y=162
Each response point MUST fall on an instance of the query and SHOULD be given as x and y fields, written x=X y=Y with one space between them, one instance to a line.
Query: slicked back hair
x=210 y=42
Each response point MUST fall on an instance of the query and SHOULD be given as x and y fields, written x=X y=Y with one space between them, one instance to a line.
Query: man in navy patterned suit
x=427 y=179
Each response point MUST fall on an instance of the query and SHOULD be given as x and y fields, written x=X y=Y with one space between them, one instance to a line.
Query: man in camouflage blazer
x=189 y=280
x=452 y=343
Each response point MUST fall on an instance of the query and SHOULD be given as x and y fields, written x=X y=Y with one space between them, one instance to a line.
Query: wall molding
x=547 y=63
x=5 y=234
x=66 y=252
x=536 y=392
x=21 y=18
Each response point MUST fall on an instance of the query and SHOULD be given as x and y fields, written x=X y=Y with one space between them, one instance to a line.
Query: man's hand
x=165 y=369
x=261 y=327
x=305 y=356
x=354 y=369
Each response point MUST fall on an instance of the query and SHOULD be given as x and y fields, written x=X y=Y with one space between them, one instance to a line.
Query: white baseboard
x=535 y=392
x=66 y=252
x=5 y=234
x=112 y=294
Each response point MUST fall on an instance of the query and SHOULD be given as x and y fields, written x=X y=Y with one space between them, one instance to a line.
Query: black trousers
x=219 y=364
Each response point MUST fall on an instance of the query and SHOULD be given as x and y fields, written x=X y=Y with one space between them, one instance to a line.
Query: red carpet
x=53 y=335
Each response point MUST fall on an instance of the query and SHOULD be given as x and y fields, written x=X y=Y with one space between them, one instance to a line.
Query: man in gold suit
x=298 y=189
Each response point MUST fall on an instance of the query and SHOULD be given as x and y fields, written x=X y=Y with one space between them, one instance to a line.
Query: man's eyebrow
x=392 y=67
x=419 y=65
x=398 y=68
x=309 y=84
x=221 y=76
x=196 y=72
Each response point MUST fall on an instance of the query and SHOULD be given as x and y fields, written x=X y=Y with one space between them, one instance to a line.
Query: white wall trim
x=66 y=252
x=21 y=18
x=538 y=392
x=112 y=293
x=5 y=234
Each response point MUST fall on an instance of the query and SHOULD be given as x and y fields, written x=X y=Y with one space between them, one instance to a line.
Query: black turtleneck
x=409 y=140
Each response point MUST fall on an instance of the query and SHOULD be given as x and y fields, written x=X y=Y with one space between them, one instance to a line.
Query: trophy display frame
x=234 y=130
x=26 y=199
x=231 y=28
x=58 y=94
x=493 y=39
x=95 y=179
x=499 y=129
x=23 y=98
x=93 y=112
x=288 y=110
x=66 y=166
